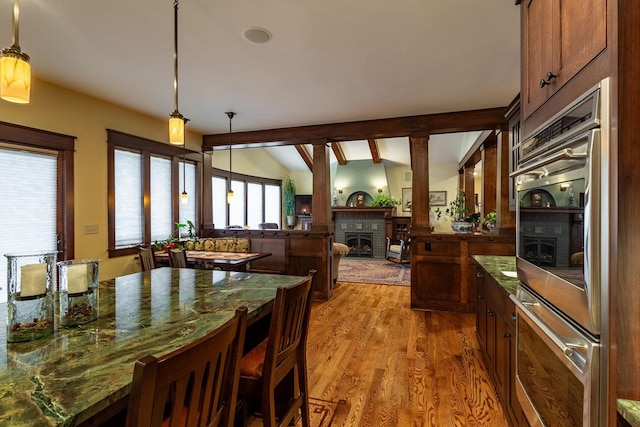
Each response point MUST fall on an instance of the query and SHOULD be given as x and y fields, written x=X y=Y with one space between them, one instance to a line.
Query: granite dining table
x=83 y=373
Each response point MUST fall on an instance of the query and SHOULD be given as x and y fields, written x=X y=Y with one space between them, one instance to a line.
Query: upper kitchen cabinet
x=561 y=40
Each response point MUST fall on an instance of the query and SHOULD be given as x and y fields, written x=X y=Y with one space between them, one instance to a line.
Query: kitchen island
x=83 y=372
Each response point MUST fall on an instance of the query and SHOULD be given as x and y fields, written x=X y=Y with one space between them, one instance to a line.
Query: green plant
x=458 y=209
x=289 y=196
x=382 y=200
x=490 y=218
x=173 y=241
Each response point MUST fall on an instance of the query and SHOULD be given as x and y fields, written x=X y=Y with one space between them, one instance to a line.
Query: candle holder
x=78 y=281
x=31 y=281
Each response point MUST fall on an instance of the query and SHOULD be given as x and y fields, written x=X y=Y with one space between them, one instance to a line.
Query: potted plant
x=384 y=201
x=458 y=210
x=172 y=241
x=289 y=200
x=490 y=221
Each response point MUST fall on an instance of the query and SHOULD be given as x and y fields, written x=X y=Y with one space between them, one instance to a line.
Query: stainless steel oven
x=557 y=367
x=562 y=257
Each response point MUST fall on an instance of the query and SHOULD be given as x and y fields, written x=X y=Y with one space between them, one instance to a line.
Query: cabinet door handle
x=513 y=315
x=550 y=76
x=491 y=313
x=479 y=274
x=505 y=335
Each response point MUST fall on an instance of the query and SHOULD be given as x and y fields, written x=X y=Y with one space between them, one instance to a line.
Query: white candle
x=33 y=280
x=77 y=278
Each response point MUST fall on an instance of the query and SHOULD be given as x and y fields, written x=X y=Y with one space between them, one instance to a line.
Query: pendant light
x=15 y=70
x=230 y=114
x=176 y=120
x=184 y=198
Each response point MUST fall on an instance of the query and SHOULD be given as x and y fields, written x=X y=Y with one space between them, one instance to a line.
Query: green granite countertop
x=496 y=266
x=630 y=411
x=65 y=378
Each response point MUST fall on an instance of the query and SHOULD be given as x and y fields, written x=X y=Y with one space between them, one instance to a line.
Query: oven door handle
x=566 y=154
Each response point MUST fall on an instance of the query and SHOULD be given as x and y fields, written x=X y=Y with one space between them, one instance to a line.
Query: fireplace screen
x=360 y=244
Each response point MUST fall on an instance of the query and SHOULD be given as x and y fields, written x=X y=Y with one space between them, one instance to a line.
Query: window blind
x=128 y=198
x=161 y=226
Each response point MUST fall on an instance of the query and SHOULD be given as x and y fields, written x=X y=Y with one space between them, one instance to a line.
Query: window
x=37 y=175
x=255 y=200
x=146 y=181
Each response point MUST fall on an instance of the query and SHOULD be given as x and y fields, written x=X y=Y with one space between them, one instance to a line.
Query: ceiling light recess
x=257 y=35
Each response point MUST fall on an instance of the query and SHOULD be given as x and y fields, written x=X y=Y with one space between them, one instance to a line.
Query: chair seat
x=253 y=362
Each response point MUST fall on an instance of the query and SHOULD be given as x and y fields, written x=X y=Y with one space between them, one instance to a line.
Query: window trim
x=64 y=145
x=148 y=148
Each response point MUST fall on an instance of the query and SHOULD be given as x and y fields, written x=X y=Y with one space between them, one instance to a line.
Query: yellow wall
x=55 y=109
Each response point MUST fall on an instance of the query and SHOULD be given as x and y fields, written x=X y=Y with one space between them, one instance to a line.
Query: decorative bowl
x=462 y=226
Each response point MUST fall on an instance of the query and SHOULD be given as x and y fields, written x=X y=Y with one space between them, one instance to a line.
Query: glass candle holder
x=78 y=281
x=31 y=282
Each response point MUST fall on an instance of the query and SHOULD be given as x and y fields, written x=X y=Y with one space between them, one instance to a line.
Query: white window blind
x=272 y=212
x=254 y=204
x=161 y=226
x=219 y=201
x=237 y=207
x=28 y=187
x=188 y=211
x=128 y=198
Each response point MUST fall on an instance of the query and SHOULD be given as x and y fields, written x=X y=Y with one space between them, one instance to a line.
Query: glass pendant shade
x=176 y=129
x=229 y=196
x=184 y=198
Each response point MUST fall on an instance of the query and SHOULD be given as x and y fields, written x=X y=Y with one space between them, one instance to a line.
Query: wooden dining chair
x=178 y=258
x=281 y=358
x=147 y=259
x=194 y=385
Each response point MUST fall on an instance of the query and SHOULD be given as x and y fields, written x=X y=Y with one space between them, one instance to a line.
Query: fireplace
x=540 y=250
x=360 y=244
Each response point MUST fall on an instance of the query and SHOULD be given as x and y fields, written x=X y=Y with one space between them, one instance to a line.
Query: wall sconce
x=340 y=190
x=379 y=189
x=564 y=186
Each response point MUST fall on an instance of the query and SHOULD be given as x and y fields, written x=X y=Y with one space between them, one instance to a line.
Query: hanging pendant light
x=230 y=114
x=184 y=198
x=176 y=120
x=15 y=70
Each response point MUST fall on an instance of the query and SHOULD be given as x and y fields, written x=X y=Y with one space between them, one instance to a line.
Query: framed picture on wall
x=437 y=198
x=406 y=200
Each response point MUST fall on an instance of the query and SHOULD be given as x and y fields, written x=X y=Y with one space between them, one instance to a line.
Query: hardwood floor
x=375 y=362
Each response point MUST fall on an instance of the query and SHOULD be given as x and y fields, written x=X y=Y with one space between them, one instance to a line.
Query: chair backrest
x=268 y=226
x=177 y=258
x=147 y=259
x=289 y=327
x=196 y=382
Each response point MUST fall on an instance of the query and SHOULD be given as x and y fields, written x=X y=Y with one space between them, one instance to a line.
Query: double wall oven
x=562 y=257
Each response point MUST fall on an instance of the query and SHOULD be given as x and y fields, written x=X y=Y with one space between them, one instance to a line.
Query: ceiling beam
x=337 y=151
x=460 y=121
x=375 y=154
x=305 y=156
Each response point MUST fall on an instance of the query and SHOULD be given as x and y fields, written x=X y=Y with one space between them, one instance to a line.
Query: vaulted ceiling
x=328 y=61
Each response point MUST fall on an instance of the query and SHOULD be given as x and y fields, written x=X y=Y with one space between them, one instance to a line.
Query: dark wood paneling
x=276 y=263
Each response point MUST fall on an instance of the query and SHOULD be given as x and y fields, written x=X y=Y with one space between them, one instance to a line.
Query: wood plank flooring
x=375 y=362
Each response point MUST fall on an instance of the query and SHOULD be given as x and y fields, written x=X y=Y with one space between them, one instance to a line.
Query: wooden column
x=420 y=185
x=506 y=218
x=321 y=203
x=469 y=187
x=489 y=176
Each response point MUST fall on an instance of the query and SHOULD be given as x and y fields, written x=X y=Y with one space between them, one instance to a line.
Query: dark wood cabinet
x=559 y=39
x=496 y=335
x=444 y=274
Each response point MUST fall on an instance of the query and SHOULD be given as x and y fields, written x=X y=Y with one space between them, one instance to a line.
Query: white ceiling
x=329 y=61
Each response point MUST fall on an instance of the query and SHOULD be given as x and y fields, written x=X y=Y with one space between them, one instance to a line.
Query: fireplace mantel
x=361 y=212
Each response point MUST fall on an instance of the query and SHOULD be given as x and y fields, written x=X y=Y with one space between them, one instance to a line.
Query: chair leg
x=304 y=391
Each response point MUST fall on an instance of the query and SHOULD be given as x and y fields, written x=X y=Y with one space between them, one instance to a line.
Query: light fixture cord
x=16 y=24
x=175 y=55
x=230 y=114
